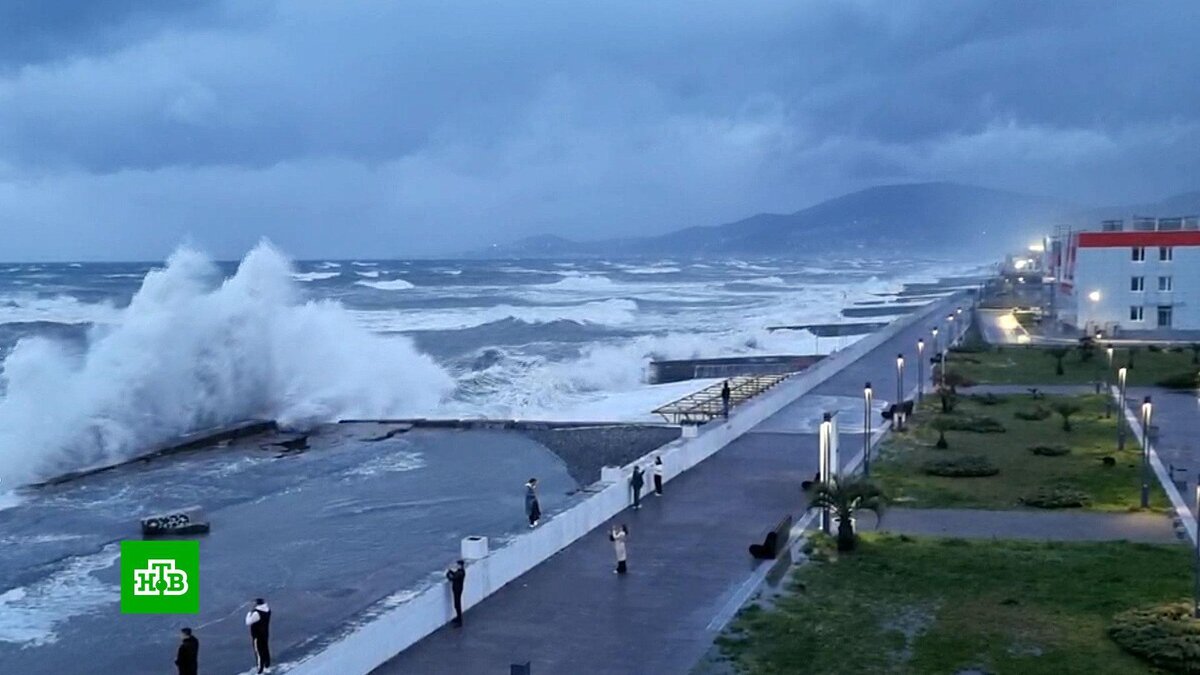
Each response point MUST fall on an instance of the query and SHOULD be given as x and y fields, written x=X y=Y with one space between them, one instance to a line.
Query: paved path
x=688 y=563
x=1153 y=528
x=1050 y=389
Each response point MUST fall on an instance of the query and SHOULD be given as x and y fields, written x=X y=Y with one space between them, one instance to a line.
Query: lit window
x=1166 y=253
x=1138 y=253
x=1137 y=284
x=1136 y=313
x=1164 y=283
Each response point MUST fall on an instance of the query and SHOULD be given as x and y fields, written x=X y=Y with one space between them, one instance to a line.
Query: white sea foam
x=194 y=351
x=583 y=282
x=650 y=270
x=314 y=276
x=60 y=308
x=363 y=264
x=373 y=274
x=389 y=285
x=328 y=265
x=29 y=614
x=604 y=312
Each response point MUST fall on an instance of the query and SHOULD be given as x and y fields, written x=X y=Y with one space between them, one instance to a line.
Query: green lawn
x=1034 y=365
x=899 y=468
x=925 y=605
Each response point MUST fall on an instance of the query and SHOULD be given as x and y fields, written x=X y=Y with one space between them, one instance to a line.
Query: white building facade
x=1120 y=281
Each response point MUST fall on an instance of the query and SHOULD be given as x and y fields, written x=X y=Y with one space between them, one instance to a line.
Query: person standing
x=636 y=482
x=617 y=536
x=187 y=659
x=658 y=475
x=532 y=508
x=457 y=576
x=725 y=394
x=258 y=620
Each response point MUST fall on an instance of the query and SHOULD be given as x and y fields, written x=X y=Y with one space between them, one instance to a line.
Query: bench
x=773 y=541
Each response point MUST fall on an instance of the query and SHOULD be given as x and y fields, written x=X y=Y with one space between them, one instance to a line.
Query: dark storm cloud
x=391 y=128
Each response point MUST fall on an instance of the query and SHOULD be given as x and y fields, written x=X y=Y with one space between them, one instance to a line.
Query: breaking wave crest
x=192 y=351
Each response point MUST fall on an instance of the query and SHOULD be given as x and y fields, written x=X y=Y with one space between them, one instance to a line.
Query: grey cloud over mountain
x=381 y=128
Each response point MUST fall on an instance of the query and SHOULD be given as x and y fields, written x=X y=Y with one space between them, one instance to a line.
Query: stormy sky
x=390 y=128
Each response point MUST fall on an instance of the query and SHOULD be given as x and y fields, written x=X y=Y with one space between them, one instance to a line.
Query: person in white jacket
x=617 y=536
x=258 y=620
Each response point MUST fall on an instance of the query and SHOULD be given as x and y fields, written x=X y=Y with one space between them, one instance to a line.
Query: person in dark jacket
x=725 y=394
x=635 y=483
x=187 y=660
x=658 y=475
x=532 y=508
x=258 y=620
x=458 y=577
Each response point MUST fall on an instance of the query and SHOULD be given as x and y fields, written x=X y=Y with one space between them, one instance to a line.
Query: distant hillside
x=924 y=217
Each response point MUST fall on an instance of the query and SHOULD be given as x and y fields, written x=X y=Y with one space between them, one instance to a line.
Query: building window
x=1164 y=316
x=1137 y=284
x=1164 y=283
x=1136 y=313
x=1166 y=253
x=1138 y=253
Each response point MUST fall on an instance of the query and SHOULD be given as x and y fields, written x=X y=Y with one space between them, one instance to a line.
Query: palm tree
x=1087 y=348
x=844 y=499
x=1195 y=346
x=1059 y=353
x=1066 y=410
x=1132 y=350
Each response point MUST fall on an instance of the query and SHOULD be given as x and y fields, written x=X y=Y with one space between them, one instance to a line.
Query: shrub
x=1056 y=497
x=1036 y=415
x=1058 y=354
x=971 y=466
x=1066 y=410
x=1185 y=380
x=1050 y=450
x=988 y=399
x=1153 y=349
x=976 y=423
x=1165 y=635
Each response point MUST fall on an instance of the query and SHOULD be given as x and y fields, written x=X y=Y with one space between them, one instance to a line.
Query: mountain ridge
x=933 y=217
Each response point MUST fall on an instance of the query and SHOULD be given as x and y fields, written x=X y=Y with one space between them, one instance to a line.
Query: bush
x=1050 y=450
x=976 y=423
x=1056 y=497
x=973 y=466
x=1153 y=349
x=1165 y=635
x=1184 y=380
x=1036 y=415
x=987 y=399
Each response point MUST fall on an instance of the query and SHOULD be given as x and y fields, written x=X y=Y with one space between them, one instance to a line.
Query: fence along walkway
x=705 y=405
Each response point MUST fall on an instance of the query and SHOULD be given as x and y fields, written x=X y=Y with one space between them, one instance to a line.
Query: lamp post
x=1196 y=580
x=898 y=419
x=942 y=360
x=962 y=326
x=825 y=440
x=950 y=328
x=1108 y=351
x=920 y=369
x=1147 y=411
x=867 y=394
x=1121 y=373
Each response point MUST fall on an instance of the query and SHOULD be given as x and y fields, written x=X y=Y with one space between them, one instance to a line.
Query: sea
x=99 y=361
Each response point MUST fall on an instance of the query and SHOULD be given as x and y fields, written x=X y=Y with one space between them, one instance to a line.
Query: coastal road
x=688 y=564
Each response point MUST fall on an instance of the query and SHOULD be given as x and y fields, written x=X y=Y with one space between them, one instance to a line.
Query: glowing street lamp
x=867 y=395
x=898 y=419
x=920 y=368
x=1108 y=352
x=950 y=334
x=1147 y=411
x=1121 y=373
x=825 y=449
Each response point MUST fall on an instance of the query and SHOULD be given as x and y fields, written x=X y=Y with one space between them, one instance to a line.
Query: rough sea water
x=103 y=361
x=100 y=361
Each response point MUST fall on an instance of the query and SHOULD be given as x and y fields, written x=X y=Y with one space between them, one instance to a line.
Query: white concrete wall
x=1109 y=271
x=394 y=629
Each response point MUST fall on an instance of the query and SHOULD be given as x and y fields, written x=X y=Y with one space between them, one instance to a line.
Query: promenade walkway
x=688 y=564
